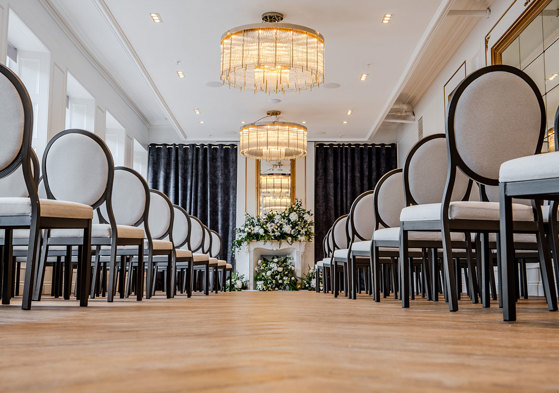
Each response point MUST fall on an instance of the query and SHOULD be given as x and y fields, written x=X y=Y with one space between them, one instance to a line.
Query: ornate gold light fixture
x=275 y=204
x=272 y=56
x=273 y=141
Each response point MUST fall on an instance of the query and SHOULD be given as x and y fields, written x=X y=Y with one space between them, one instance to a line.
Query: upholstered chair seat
x=181 y=253
x=102 y=230
x=160 y=244
x=198 y=257
x=535 y=167
x=518 y=238
x=464 y=210
x=393 y=234
x=213 y=261
x=221 y=262
x=341 y=254
x=21 y=206
x=361 y=246
x=229 y=266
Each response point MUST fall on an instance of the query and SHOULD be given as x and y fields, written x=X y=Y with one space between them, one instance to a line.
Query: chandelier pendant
x=273 y=141
x=272 y=56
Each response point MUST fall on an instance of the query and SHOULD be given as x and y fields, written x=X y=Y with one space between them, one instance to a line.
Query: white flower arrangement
x=291 y=225
x=277 y=273
x=239 y=282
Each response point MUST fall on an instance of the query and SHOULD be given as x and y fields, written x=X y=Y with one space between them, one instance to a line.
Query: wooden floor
x=276 y=342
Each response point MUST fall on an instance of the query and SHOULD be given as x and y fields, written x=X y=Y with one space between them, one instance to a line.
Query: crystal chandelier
x=272 y=56
x=273 y=141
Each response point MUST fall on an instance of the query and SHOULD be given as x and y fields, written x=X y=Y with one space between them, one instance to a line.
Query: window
x=30 y=60
x=140 y=159
x=115 y=137
x=80 y=105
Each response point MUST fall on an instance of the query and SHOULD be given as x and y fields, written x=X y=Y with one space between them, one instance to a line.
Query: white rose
x=286 y=228
x=269 y=273
x=239 y=285
x=280 y=281
x=280 y=269
x=293 y=216
x=313 y=282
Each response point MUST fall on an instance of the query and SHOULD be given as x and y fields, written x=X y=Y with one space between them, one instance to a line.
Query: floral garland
x=309 y=280
x=291 y=225
x=239 y=282
x=275 y=273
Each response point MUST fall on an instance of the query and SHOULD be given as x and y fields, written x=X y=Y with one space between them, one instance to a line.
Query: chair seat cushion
x=102 y=230
x=221 y=262
x=213 y=261
x=393 y=234
x=160 y=244
x=200 y=257
x=181 y=253
x=319 y=264
x=536 y=167
x=229 y=266
x=464 y=210
x=518 y=238
x=341 y=254
x=361 y=246
x=19 y=206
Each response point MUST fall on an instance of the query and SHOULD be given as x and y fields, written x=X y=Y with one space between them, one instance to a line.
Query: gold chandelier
x=272 y=56
x=275 y=204
x=275 y=185
x=273 y=141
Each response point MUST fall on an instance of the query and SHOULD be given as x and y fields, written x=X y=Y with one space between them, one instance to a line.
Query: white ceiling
x=142 y=56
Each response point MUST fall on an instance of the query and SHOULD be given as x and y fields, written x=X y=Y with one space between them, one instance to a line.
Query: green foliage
x=239 y=282
x=309 y=280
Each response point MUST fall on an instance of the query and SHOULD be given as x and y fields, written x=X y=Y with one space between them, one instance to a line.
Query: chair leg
x=485 y=262
x=190 y=278
x=435 y=275
x=7 y=267
x=546 y=268
x=170 y=283
x=404 y=269
x=85 y=273
x=68 y=273
x=472 y=279
x=30 y=261
x=524 y=277
x=18 y=277
x=207 y=280
x=448 y=267
x=140 y=274
x=111 y=284
x=40 y=273
x=375 y=268
x=95 y=270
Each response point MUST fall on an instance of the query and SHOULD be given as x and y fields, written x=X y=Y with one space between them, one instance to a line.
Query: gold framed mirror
x=275 y=185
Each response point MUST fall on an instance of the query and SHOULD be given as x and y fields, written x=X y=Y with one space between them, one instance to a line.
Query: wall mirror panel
x=532 y=44
x=275 y=185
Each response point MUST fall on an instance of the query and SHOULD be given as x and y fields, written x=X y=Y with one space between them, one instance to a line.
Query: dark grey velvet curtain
x=342 y=172
x=203 y=180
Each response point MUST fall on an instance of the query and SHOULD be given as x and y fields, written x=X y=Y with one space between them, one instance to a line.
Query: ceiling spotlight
x=553 y=76
x=197 y=111
x=304 y=122
x=156 y=17
x=364 y=76
x=386 y=18
x=242 y=122
x=201 y=121
x=180 y=74
x=345 y=121
x=349 y=112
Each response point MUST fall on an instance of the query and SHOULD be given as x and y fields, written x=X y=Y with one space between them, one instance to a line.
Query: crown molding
x=71 y=34
x=117 y=29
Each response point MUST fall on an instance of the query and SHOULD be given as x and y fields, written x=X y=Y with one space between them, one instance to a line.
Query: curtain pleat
x=342 y=172
x=203 y=180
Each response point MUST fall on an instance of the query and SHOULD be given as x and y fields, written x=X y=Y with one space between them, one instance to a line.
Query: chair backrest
x=181 y=226
x=160 y=216
x=425 y=173
x=130 y=199
x=496 y=114
x=340 y=238
x=197 y=234
x=362 y=217
x=216 y=244
x=78 y=167
x=14 y=185
x=329 y=242
x=207 y=245
x=388 y=200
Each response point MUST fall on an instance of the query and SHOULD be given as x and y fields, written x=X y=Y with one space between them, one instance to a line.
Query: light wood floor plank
x=276 y=342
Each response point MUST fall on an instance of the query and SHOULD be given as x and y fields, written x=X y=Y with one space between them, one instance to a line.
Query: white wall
x=472 y=51
x=67 y=57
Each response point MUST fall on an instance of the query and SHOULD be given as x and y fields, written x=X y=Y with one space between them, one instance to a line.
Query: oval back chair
x=361 y=217
x=197 y=234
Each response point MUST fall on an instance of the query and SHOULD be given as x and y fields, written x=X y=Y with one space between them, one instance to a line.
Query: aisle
x=275 y=342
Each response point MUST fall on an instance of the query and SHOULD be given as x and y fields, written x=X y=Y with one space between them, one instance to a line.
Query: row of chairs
x=441 y=215
x=84 y=207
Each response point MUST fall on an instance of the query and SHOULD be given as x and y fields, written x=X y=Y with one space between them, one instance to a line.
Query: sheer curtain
x=342 y=172
x=203 y=180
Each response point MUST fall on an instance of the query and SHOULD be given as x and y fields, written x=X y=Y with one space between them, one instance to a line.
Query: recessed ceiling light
x=349 y=112
x=242 y=122
x=201 y=121
x=551 y=77
x=156 y=17
x=386 y=18
x=364 y=76
x=197 y=111
x=180 y=74
x=304 y=122
x=345 y=121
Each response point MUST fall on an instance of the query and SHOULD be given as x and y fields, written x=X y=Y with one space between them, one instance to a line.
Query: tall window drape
x=342 y=172
x=203 y=180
